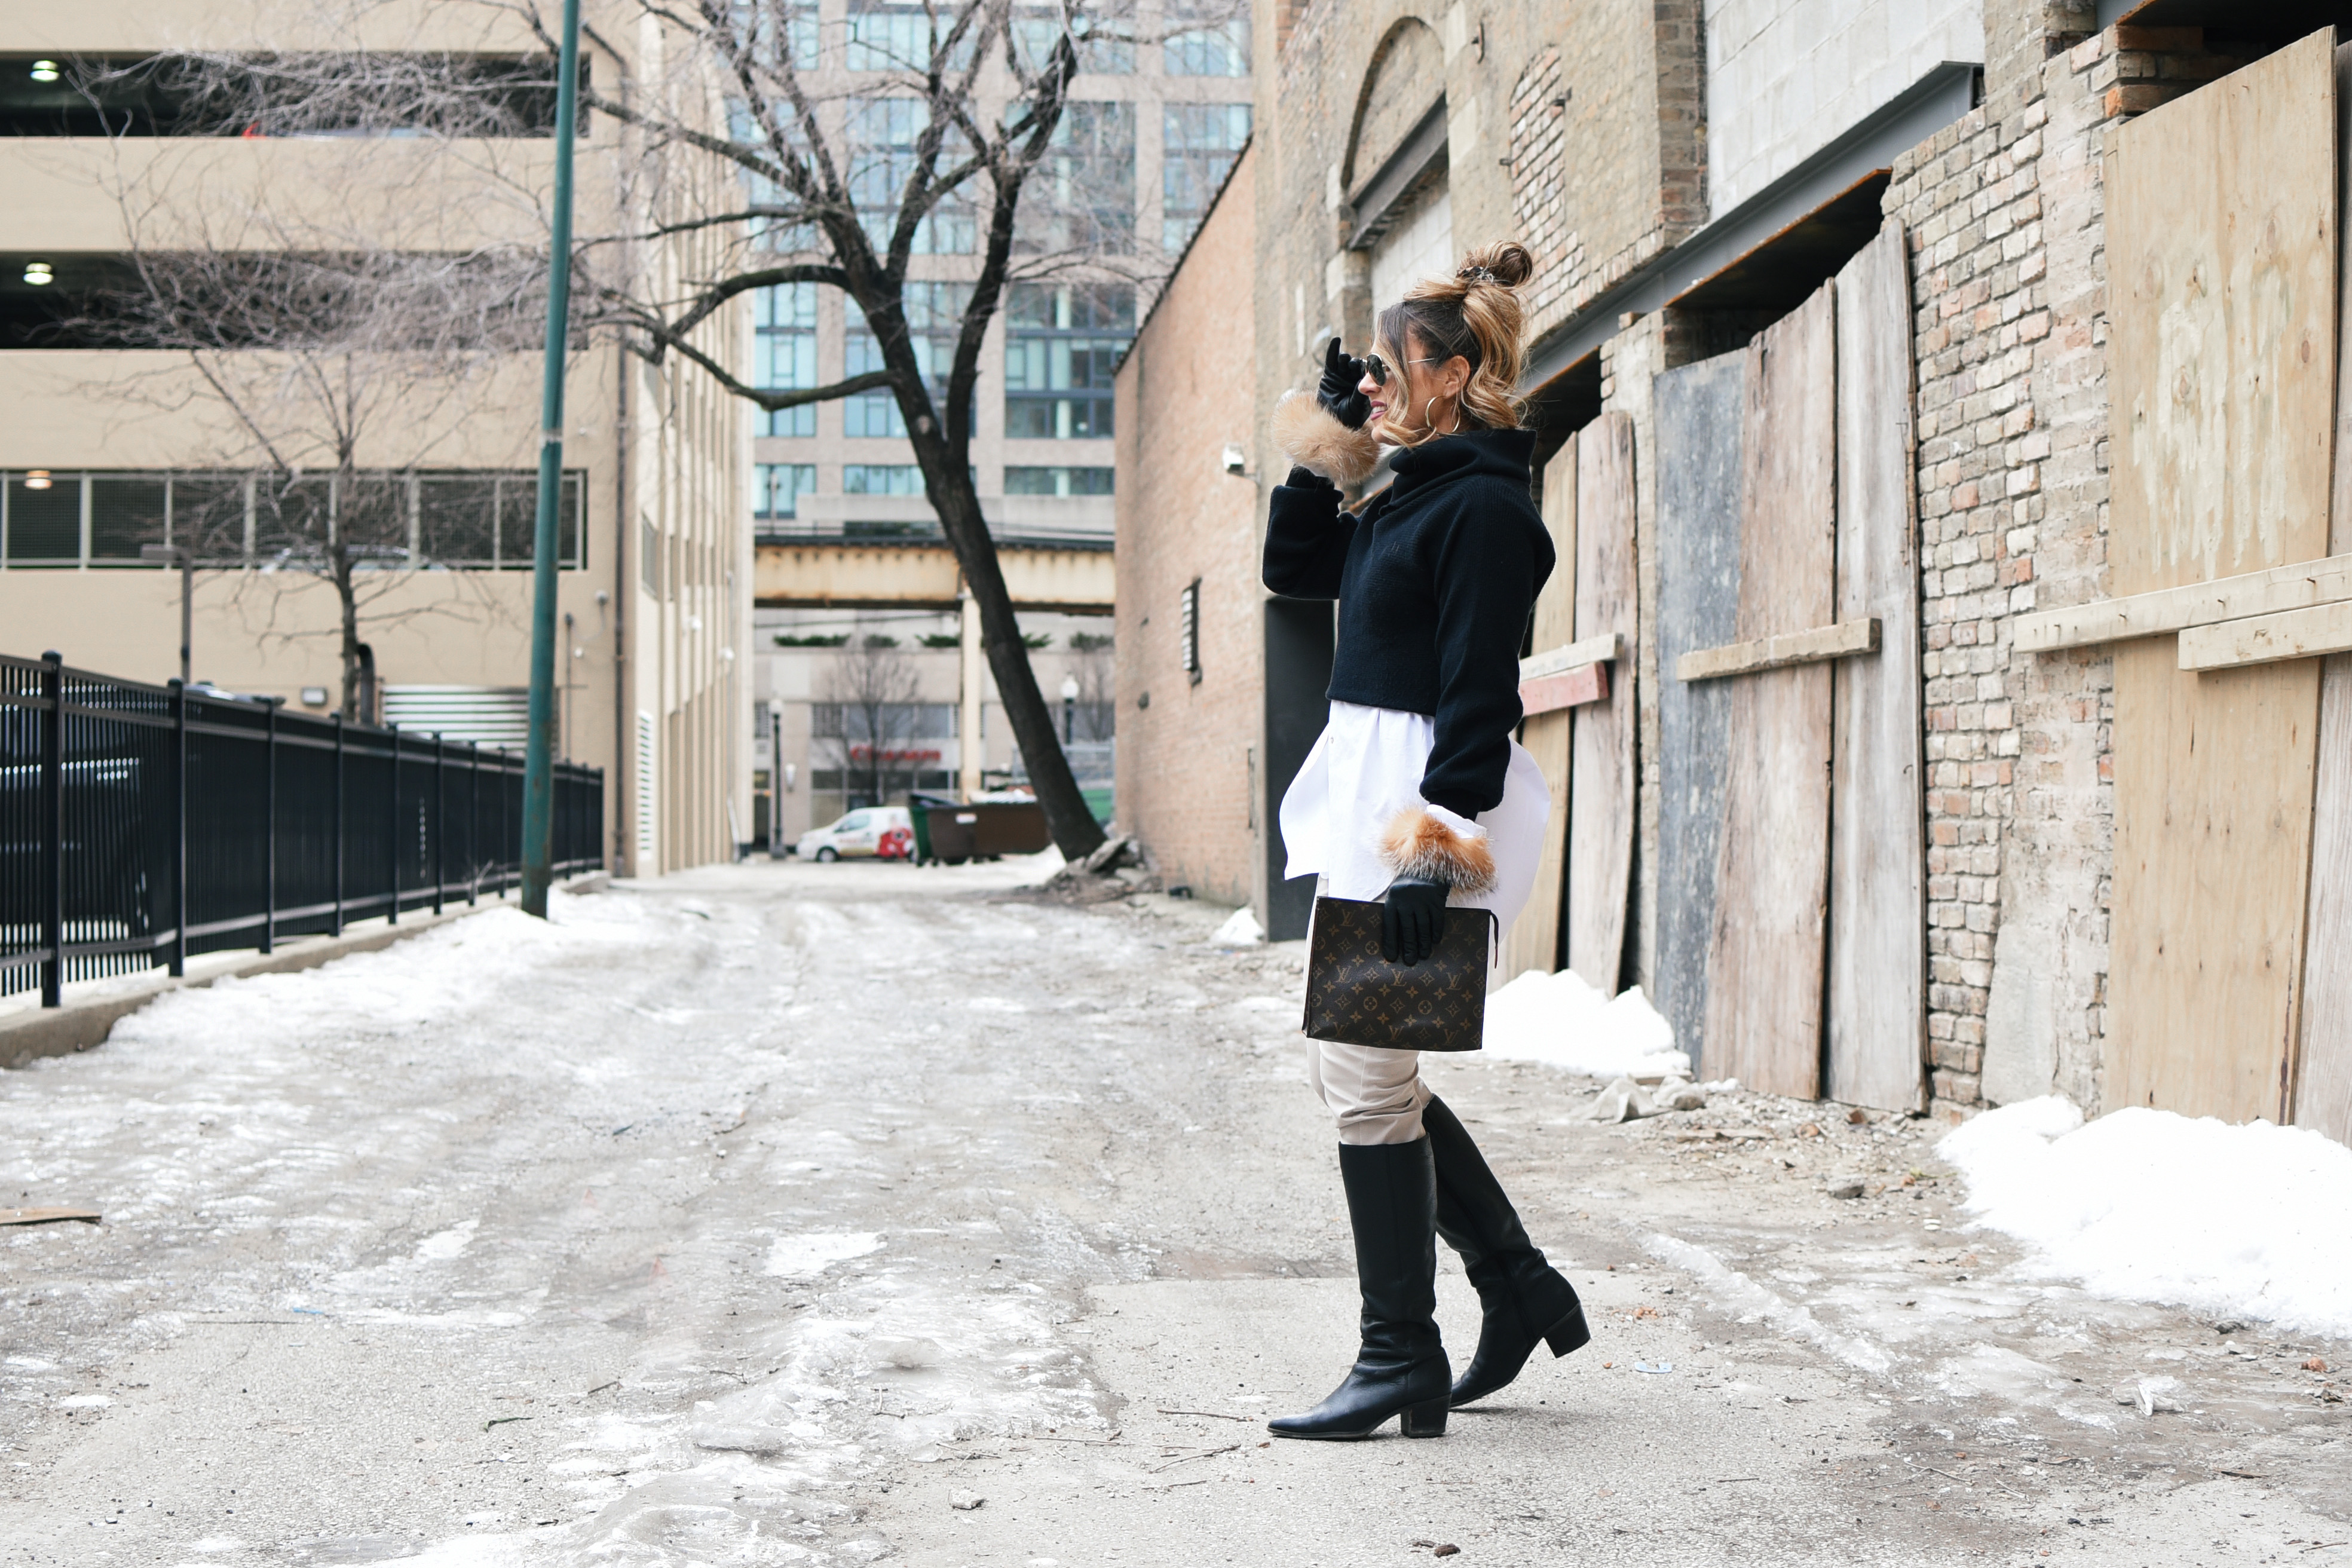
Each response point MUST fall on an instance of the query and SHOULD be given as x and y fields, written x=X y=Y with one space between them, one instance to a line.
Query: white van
x=868 y=831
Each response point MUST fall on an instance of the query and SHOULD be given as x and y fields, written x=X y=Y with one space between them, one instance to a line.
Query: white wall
x=1784 y=76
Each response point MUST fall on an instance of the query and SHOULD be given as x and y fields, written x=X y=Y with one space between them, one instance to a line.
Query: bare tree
x=923 y=128
x=873 y=688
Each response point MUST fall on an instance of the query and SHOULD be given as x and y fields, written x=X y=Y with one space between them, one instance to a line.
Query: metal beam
x=1868 y=146
x=1422 y=150
x=924 y=576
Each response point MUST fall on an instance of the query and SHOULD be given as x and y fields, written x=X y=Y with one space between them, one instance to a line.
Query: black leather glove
x=1412 y=920
x=1336 y=391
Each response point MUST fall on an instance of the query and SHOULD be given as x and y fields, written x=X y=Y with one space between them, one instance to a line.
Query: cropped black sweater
x=1435 y=579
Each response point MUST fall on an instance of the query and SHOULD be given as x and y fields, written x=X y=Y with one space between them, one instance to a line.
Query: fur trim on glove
x=1313 y=437
x=1421 y=844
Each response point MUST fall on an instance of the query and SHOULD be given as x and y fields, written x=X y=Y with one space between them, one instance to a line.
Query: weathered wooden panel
x=1878 y=898
x=1765 y=951
x=2323 y=1082
x=1601 y=822
x=2323 y=1075
x=1555 y=616
x=1533 y=942
x=1697 y=459
x=1534 y=939
x=2221 y=293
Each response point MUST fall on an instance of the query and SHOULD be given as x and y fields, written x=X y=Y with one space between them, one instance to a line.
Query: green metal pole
x=539 y=756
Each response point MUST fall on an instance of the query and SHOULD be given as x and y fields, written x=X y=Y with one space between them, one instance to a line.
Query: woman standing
x=1417 y=795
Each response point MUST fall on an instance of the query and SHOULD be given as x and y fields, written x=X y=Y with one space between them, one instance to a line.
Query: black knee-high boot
x=1525 y=1299
x=1400 y=1370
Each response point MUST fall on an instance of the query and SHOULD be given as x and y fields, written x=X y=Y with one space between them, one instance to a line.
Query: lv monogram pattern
x=1359 y=998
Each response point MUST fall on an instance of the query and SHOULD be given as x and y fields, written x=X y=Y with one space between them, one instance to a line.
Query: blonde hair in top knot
x=1474 y=314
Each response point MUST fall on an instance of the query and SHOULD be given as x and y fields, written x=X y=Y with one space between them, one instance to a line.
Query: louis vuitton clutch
x=1359 y=998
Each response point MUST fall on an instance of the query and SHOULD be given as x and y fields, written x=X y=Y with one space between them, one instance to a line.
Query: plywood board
x=2203 y=603
x=2222 y=277
x=1698 y=462
x=1601 y=791
x=2267 y=640
x=1877 y=1048
x=2322 y=1068
x=1534 y=939
x=1764 y=950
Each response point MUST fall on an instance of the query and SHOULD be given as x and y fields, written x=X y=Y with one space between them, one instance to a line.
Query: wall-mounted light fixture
x=314 y=697
x=37 y=478
x=39 y=274
x=1237 y=460
x=45 y=70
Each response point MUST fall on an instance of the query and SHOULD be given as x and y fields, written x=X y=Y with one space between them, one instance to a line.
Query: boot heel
x=1570 y=1333
x=1425 y=1420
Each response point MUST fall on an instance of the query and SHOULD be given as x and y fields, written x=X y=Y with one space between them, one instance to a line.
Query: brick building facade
x=1192 y=672
x=1676 y=215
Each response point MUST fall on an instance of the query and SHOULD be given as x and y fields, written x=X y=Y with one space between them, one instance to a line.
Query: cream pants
x=1375 y=1095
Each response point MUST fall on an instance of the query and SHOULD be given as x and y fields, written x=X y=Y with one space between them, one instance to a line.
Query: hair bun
x=1507 y=264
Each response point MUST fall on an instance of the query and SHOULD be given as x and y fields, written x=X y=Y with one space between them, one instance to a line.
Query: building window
x=1218 y=45
x=396 y=520
x=1189 y=632
x=1034 y=481
x=779 y=488
x=784 y=349
x=882 y=479
x=1099 y=33
x=1418 y=244
x=902 y=35
x=934 y=321
x=1081 y=196
x=1199 y=143
x=883 y=133
x=1061 y=342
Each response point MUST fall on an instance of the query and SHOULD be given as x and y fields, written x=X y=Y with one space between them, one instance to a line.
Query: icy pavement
x=827 y=1214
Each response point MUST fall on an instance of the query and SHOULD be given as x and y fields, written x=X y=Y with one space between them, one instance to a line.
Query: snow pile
x=1241 y=929
x=1560 y=1021
x=2145 y=1206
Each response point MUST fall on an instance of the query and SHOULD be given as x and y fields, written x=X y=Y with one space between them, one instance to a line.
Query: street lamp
x=182 y=557
x=1069 y=708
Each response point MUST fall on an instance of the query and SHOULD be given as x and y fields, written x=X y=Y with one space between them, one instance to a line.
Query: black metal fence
x=142 y=824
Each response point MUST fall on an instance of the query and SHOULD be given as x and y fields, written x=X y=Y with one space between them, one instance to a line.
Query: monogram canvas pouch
x=1359 y=998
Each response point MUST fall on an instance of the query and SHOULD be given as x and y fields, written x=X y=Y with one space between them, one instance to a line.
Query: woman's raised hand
x=1336 y=391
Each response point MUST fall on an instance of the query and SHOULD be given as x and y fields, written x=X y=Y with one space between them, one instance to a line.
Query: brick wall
x=2006 y=219
x=1186 y=759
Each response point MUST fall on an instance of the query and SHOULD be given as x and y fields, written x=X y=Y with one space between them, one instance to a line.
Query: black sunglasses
x=1380 y=369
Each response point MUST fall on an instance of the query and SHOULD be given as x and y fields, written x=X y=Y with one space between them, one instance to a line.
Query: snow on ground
x=2251 y=1221
x=1562 y=1022
x=321 y=1106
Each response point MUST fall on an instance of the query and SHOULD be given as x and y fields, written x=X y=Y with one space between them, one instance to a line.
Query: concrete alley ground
x=785 y=1214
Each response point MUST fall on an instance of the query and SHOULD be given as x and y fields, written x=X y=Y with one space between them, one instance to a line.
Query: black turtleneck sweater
x=1435 y=579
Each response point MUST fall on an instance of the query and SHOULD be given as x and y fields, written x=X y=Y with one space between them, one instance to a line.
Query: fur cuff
x=1434 y=844
x=1312 y=437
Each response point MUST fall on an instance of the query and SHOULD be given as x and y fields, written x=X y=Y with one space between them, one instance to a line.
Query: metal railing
x=140 y=825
